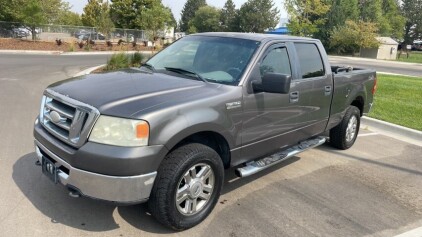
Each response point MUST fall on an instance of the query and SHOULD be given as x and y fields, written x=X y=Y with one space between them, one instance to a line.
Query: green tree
x=33 y=16
x=52 y=9
x=307 y=17
x=91 y=12
x=155 y=19
x=352 y=36
x=188 y=12
x=103 y=22
x=173 y=22
x=69 y=18
x=412 y=9
x=206 y=19
x=340 y=11
x=123 y=12
x=229 y=17
x=258 y=16
x=386 y=14
x=395 y=21
x=10 y=10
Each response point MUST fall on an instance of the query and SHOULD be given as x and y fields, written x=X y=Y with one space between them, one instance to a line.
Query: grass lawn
x=398 y=100
x=414 y=57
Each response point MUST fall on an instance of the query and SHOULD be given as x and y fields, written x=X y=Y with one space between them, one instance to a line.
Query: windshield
x=215 y=59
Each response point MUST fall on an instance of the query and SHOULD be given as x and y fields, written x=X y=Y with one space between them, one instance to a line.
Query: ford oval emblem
x=55 y=117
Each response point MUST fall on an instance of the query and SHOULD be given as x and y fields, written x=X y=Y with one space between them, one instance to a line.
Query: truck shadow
x=97 y=216
x=81 y=213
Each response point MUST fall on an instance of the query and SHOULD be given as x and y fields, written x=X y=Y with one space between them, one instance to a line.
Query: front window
x=215 y=59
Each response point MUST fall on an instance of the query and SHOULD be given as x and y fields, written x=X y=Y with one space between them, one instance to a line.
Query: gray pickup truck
x=165 y=132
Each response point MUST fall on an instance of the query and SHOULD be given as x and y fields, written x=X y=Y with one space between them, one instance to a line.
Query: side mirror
x=273 y=83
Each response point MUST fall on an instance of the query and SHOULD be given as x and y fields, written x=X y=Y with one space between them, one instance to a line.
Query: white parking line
x=411 y=233
x=368 y=134
x=8 y=79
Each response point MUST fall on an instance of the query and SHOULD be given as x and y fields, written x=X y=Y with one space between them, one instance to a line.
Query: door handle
x=294 y=97
x=327 y=90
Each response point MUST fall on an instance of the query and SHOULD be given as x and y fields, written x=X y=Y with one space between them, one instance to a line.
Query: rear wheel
x=187 y=186
x=343 y=136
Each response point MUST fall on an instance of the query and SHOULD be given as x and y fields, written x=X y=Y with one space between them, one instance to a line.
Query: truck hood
x=124 y=93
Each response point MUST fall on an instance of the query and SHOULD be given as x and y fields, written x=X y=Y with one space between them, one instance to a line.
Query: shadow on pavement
x=92 y=215
x=82 y=213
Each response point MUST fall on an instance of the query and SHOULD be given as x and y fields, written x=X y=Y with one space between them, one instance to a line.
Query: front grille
x=67 y=119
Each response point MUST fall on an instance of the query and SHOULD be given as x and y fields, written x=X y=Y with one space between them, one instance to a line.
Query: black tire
x=176 y=164
x=338 y=134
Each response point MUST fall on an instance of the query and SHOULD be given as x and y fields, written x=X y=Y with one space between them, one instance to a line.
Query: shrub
x=59 y=42
x=136 y=59
x=81 y=44
x=71 y=47
x=109 y=44
x=117 y=61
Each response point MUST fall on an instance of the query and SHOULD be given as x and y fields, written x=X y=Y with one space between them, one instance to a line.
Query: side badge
x=233 y=105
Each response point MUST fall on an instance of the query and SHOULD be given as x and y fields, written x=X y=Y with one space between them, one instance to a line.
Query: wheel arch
x=359 y=102
x=212 y=138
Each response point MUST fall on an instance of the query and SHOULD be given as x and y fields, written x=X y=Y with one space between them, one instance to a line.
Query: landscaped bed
x=23 y=44
x=398 y=100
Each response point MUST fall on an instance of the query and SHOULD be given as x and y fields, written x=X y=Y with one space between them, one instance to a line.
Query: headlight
x=120 y=131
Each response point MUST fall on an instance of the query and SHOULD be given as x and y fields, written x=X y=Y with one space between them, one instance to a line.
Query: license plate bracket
x=49 y=169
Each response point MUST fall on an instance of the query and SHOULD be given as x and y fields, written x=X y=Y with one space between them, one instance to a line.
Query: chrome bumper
x=122 y=189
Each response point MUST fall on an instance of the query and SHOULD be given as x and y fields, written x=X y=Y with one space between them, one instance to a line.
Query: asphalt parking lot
x=372 y=189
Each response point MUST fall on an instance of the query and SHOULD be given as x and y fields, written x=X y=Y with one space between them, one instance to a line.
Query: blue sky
x=177 y=5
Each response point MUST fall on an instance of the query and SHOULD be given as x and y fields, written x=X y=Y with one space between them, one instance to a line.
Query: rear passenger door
x=315 y=81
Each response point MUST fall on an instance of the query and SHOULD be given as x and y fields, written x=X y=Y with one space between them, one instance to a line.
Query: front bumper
x=121 y=189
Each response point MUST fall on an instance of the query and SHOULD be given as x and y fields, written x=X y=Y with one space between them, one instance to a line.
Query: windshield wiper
x=149 y=66
x=185 y=71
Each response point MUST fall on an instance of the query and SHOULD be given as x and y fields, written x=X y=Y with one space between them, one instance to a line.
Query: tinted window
x=276 y=61
x=310 y=60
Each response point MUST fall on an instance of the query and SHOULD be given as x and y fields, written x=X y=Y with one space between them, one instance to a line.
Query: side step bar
x=255 y=166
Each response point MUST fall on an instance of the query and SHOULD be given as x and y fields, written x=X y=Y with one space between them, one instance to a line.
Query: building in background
x=387 y=49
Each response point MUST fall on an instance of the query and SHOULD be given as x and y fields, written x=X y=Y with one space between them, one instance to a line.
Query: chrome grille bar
x=67 y=119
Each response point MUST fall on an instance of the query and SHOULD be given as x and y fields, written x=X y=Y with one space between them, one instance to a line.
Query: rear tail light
x=374 y=88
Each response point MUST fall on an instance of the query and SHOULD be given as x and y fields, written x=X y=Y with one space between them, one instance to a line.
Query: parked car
x=164 y=133
x=92 y=36
x=417 y=45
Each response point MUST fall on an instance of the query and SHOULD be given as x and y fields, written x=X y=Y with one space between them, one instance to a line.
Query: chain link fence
x=69 y=33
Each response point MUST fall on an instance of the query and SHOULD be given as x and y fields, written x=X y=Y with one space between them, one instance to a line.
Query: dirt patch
x=22 y=44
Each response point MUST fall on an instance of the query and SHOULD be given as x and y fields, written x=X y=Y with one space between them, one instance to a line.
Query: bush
x=117 y=61
x=122 y=61
x=136 y=59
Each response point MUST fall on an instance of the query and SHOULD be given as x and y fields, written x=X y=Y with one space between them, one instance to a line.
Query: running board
x=255 y=166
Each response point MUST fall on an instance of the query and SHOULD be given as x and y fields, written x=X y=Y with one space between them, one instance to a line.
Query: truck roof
x=255 y=36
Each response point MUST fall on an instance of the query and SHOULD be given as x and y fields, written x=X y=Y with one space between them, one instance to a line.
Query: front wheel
x=344 y=135
x=187 y=186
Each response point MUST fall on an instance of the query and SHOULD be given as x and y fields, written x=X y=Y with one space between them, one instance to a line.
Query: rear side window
x=310 y=60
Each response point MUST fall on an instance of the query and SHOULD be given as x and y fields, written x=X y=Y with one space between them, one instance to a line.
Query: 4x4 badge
x=234 y=105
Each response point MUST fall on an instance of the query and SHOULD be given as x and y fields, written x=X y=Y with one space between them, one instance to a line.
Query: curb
x=88 y=70
x=33 y=52
x=42 y=52
x=399 y=132
x=373 y=60
x=395 y=74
